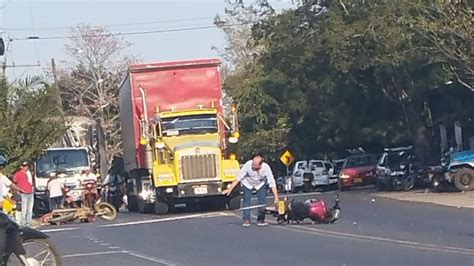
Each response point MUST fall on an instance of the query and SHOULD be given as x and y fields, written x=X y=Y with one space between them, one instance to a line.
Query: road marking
x=58 y=230
x=335 y=234
x=91 y=254
x=146 y=257
x=177 y=218
x=114 y=247
x=384 y=239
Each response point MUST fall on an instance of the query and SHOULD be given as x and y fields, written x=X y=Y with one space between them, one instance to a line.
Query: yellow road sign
x=287 y=158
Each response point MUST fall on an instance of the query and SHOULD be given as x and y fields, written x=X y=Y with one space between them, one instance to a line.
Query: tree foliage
x=31 y=119
x=341 y=74
x=89 y=80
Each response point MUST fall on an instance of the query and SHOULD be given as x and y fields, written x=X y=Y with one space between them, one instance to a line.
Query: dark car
x=358 y=170
x=396 y=169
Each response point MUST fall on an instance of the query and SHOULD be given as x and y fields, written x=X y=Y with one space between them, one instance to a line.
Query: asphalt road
x=373 y=231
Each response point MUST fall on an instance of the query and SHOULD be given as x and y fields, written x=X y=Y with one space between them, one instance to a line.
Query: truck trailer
x=175 y=136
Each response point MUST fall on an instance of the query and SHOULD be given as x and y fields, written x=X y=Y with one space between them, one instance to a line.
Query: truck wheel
x=464 y=179
x=143 y=207
x=234 y=203
x=160 y=208
x=132 y=203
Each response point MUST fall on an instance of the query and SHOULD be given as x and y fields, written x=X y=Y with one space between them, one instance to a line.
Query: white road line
x=114 y=247
x=177 y=218
x=335 y=234
x=145 y=257
x=91 y=254
x=58 y=230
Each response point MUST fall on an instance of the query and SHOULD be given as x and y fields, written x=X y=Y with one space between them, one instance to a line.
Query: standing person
x=87 y=175
x=255 y=174
x=55 y=188
x=22 y=180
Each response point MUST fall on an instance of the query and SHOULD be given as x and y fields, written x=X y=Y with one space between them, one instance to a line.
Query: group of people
x=21 y=183
x=22 y=186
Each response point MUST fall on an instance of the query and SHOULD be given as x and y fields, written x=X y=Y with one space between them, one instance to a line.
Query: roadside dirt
x=453 y=199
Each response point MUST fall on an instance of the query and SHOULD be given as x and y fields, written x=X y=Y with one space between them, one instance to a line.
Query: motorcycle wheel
x=397 y=184
x=38 y=252
x=106 y=211
x=408 y=184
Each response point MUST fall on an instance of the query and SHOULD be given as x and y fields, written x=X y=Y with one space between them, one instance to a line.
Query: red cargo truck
x=175 y=136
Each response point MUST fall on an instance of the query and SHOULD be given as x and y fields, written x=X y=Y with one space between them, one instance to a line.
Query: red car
x=358 y=170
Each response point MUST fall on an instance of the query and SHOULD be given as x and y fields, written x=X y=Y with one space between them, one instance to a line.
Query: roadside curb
x=450 y=199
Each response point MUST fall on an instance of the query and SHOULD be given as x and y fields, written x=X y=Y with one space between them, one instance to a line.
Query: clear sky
x=19 y=17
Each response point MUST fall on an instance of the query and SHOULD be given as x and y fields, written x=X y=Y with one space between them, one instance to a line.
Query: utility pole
x=55 y=82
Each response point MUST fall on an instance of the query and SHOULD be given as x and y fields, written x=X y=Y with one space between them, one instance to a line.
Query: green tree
x=31 y=118
x=339 y=74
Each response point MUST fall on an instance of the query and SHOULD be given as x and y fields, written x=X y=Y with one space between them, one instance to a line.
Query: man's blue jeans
x=261 y=199
x=27 y=201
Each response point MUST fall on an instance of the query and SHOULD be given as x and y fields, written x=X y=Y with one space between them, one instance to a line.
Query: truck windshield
x=190 y=124
x=62 y=161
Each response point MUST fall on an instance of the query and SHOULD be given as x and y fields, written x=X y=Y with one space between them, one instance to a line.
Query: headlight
x=344 y=176
x=145 y=194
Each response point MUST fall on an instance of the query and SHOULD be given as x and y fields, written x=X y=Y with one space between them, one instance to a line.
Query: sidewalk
x=453 y=199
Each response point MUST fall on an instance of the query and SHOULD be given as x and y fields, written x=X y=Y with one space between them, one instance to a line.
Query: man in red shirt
x=24 y=182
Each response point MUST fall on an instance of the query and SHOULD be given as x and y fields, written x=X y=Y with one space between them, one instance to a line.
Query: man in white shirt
x=254 y=175
x=55 y=188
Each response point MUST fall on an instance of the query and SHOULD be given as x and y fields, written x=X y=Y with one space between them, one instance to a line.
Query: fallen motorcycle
x=103 y=210
x=26 y=246
x=314 y=209
x=93 y=207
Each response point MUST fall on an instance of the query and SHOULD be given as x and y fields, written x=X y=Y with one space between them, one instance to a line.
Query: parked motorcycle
x=26 y=246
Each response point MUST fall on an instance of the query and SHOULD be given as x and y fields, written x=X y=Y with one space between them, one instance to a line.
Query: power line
x=116 y=25
x=127 y=33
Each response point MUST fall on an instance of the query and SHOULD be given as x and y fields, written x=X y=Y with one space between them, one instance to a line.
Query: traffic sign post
x=287 y=159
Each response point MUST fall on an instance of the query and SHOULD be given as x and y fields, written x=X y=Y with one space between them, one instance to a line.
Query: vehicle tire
x=132 y=203
x=408 y=183
x=380 y=185
x=464 y=179
x=341 y=187
x=160 y=208
x=438 y=183
x=106 y=211
x=143 y=207
x=397 y=184
x=234 y=203
x=306 y=187
x=56 y=259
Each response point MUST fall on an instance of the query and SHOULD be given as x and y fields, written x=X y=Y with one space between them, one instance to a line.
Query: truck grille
x=196 y=167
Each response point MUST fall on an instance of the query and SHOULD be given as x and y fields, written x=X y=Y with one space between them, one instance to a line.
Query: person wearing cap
x=25 y=183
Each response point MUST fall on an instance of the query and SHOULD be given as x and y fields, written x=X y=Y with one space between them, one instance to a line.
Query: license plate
x=200 y=190
x=306 y=179
x=357 y=180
